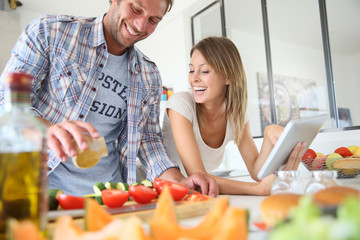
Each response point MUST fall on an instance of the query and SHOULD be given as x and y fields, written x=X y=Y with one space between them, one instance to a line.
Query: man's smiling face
x=129 y=21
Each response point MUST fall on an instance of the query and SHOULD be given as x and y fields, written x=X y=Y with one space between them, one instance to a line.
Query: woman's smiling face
x=206 y=84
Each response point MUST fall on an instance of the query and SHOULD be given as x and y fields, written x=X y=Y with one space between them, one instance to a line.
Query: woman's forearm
x=230 y=186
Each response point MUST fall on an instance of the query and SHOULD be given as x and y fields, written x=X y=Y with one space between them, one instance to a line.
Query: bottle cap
x=17 y=81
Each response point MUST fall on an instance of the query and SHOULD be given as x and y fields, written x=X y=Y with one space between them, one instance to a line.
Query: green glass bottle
x=23 y=179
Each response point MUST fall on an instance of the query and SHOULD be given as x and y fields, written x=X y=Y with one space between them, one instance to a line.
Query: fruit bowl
x=318 y=161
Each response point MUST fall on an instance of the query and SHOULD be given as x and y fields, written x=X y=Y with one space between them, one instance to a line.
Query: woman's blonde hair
x=223 y=56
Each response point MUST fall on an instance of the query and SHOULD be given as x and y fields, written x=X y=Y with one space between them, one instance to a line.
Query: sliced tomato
x=261 y=225
x=196 y=197
x=177 y=191
x=70 y=202
x=157 y=183
x=142 y=194
x=114 y=198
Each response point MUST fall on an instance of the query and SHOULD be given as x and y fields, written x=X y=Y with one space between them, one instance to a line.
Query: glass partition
x=344 y=37
x=299 y=73
x=301 y=58
x=207 y=22
x=244 y=27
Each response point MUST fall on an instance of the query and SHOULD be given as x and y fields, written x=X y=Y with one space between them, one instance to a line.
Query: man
x=88 y=77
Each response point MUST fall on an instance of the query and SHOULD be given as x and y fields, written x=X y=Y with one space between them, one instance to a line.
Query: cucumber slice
x=98 y=187
x=122 y=186
x=53 y=202
x=95 y=196
x=110 y=185
x=92 y=195
x=146 y=183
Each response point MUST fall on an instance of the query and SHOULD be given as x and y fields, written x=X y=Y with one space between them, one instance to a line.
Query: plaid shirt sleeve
x=152 y=151
x=43 y=51
x=143 y=121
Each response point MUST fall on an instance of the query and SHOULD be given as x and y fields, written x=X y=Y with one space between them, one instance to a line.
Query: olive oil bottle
x=23 y=154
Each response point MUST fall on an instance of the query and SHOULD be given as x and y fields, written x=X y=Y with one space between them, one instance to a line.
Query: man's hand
x=61 y=137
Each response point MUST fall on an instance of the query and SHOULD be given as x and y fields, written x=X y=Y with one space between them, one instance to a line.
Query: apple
x=352 y=148
x=319 y=162
x=331 y=158
x=356 y=151
x=308 y=158
x=343 y=151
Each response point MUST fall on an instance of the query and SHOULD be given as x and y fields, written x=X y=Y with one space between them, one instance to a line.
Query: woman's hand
x=295 y=157
x=266 y=184
x=203 y=183
x=273 y=133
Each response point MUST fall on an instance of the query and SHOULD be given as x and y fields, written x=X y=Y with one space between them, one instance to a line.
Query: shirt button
x=81 y=116
x=104 y=47
x=144 y=101
x=101 y=65
x=69 y=73
x=93 y=89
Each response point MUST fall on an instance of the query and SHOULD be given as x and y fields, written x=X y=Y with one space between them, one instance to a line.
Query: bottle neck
x=17 y=101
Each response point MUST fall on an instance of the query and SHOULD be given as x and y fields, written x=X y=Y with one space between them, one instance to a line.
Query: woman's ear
x=227 y=81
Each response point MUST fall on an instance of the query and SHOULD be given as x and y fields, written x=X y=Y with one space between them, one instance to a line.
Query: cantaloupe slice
x=206 y=228
x=67 y=229
x=219 y=220
x=23 y=230
x=233 y=225
x=165 y=207
x=164 y=225
x=133 y=229
x=111 y=231
x=96 y=217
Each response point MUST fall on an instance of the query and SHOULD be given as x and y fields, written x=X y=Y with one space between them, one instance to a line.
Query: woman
x=198 y=124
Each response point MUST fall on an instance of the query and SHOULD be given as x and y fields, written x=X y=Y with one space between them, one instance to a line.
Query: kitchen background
x=306 y=77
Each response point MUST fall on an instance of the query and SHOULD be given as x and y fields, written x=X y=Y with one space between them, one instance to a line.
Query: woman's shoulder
x=182 y=94
x=183 y=103
x=182 y=97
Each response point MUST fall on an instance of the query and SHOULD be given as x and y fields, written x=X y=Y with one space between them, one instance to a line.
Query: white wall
x=347 y=81
x=169 y=47
x=325 y=143
x=10 y=29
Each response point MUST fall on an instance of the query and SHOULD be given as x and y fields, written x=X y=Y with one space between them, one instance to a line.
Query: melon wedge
x=23 y=230
x=96 y=217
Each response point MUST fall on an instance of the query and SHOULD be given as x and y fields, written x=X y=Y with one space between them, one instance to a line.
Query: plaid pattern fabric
x=65 y=55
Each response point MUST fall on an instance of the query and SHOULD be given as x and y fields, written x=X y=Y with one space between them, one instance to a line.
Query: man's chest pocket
x=146 y=109
x=67 y=82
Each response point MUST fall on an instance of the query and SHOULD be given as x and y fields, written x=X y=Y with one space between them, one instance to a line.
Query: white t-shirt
x=184 y=104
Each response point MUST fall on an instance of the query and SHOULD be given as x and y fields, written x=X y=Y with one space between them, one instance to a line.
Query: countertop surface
x=252 y=203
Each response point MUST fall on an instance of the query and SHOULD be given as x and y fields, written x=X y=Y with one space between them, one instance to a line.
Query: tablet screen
x=297 y=130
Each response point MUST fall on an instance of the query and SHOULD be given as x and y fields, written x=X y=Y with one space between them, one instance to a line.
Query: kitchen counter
x=252 y=203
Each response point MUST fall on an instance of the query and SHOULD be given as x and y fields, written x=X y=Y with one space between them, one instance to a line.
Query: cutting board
x=184 y=209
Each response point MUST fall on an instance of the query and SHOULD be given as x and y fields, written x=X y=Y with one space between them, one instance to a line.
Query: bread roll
x=347 y=163
x=334 y=195
x=277 y=207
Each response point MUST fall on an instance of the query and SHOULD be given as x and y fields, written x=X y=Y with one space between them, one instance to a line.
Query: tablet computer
x=297 y=130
